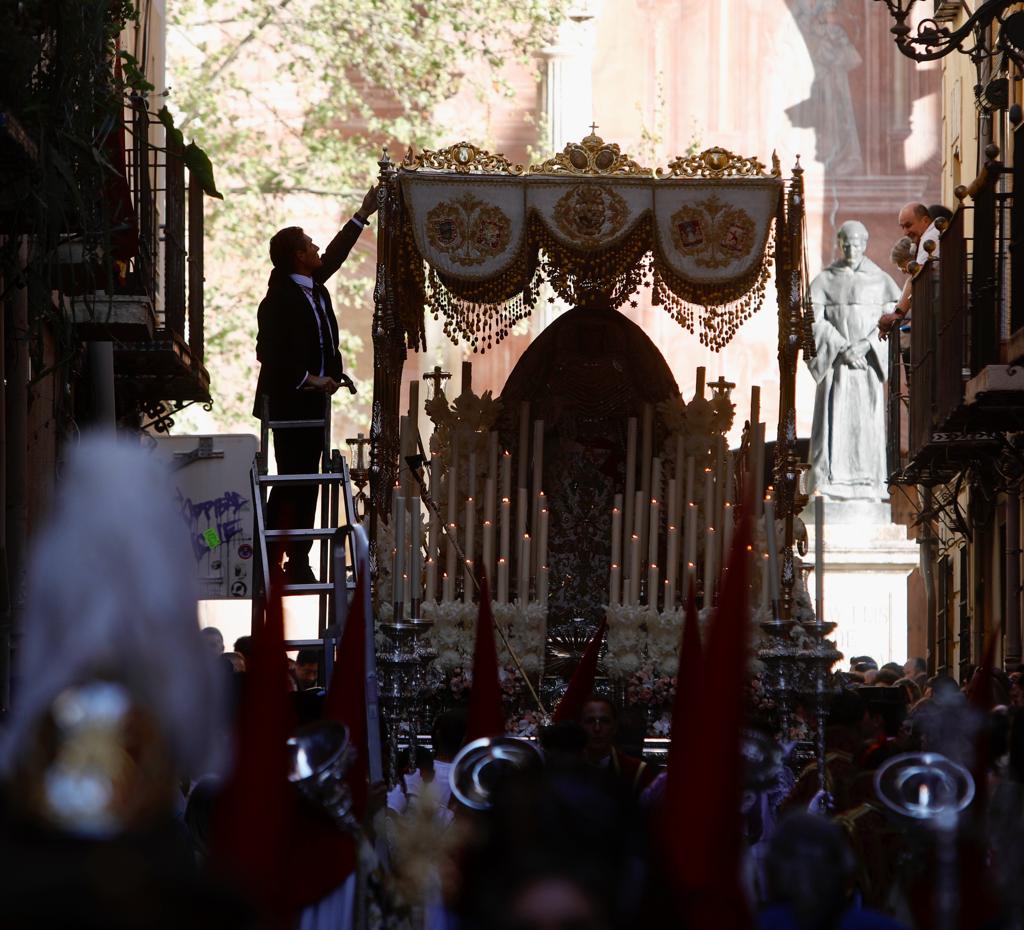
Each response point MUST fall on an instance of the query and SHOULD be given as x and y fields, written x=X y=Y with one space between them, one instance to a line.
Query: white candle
x=701 y=373
x=671 y=564
x=503 y=545
x=400 y=563
x=676 y=515
x=690 y=540
x=542 y=586
x=627 y=513
x=614 y=584
x=523 y=451
x=492 y=456
x=502 y=581
x=487 y=559
x=538 y=481
x=653 y=523
x=634 y=569
x=652 y=586
x=819 y=556
x=416 y=556
x=451 y=555
x=471 y=469
x=470 y=546
x=710 y=543
x=521 y=513
x=773 y=553
x=542 y=538
x=759 y=453
x=467 y=377
x=506 y=474
x=523 y=587
x=617 y=530
x=755 y=407
x=646 y=447
x=727 y=528
x=709 y=498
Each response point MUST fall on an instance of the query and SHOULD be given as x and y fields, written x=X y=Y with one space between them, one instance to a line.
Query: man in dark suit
x=300 y=368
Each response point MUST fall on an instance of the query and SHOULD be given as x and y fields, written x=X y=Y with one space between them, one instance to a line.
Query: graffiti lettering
x=219 y=513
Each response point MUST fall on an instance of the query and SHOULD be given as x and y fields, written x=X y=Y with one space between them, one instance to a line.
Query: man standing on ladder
x=300 y=368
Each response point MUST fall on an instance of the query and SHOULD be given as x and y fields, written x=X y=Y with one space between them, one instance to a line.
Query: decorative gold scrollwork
x=592 y=156
x=464 y=158
x=718 y=163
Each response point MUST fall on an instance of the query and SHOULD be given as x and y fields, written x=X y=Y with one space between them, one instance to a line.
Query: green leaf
x=198 y=162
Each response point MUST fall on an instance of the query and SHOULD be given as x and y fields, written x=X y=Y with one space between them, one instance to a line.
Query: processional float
x=478 y=242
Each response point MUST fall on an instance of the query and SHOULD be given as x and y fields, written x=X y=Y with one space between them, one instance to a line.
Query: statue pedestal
x=867 y=561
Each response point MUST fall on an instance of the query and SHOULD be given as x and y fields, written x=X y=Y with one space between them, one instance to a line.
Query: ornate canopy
x=475 y=237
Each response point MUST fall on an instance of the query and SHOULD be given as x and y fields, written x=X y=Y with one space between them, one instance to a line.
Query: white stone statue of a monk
x=848 y=436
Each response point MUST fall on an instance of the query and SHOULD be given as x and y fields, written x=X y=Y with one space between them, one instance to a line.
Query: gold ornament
x=468 y=230
x=591 y=213
x=718 y=163
x=464 y=158
x=591 y=156
x=714 y=234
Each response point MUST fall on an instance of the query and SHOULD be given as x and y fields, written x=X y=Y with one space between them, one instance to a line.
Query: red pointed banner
x=486 y=712
x=254 y=812
x=322 y=856
x=708 y=868
x=581 y=685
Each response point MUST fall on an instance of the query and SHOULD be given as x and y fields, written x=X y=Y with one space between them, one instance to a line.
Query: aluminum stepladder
x=337 y=518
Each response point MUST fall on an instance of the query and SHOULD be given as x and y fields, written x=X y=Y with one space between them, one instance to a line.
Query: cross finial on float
x=721 y=385
x=437 y=376
x=593 y=129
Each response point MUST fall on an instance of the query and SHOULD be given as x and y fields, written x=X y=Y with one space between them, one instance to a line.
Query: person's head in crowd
x=911 y=690
x=938 y=212
x=243 y=646
x=870 y=675
x=888 y=676
x=943 y=690
x=599 y=719
x=563 y=742
x=809 y=871
x=862 y=664
x=214 y=639
x=903 y=253
x=553 y=853
x=886 y=709
x=1017 y=689
x=893 y=667
x=914 y=219
x=448 y=734
x=915 y=667
x=307 y=668
x=234 y=661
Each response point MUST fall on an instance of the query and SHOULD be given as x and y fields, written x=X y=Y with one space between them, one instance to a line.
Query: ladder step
x=318 y=587
x=317 y=478
x=300 y=534
x=296 y=424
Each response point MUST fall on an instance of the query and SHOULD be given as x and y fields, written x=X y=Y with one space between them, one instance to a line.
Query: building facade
x=956 y=401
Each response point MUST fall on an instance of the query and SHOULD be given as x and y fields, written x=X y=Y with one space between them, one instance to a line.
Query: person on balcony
x=902 y=254
x=300 y=368
x=919 y=225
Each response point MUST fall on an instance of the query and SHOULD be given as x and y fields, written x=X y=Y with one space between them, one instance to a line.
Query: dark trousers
x=298 y=452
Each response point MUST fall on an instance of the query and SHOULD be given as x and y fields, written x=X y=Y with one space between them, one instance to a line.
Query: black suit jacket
x=288 y=342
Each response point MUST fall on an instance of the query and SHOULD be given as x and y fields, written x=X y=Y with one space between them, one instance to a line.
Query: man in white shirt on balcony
x=917 y=223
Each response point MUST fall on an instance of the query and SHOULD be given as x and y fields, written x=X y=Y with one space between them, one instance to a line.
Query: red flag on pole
x=254 y=811
x=708 y=870
x=486 y=713
x=322 y=856
x=581 y=685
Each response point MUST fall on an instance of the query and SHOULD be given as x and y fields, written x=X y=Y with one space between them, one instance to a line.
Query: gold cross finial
x=437 y=376
x=721 y=385
x=593 y=129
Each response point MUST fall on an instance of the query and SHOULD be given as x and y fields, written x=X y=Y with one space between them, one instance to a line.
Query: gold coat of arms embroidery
x=468 y=230
x=590 y=213
x=713 y=233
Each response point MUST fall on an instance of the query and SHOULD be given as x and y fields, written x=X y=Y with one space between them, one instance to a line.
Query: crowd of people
x=144 y=775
